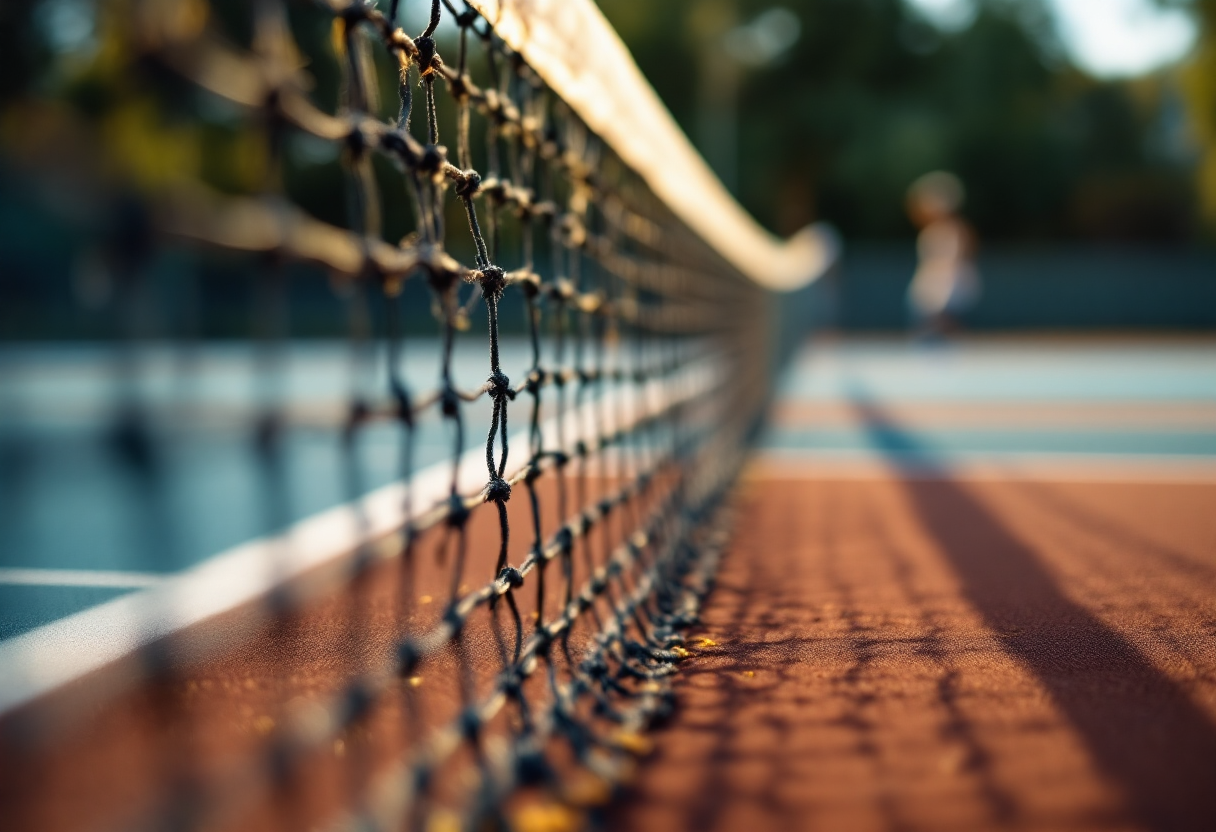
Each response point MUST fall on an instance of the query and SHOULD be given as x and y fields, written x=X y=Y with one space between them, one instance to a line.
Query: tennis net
x=472 y=632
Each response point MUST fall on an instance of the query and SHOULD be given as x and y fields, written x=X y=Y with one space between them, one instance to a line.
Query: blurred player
x=946 y=283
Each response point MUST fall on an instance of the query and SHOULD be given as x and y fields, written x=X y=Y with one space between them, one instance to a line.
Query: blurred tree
x=870 y=96
x=873 y=95
x=1200 y=85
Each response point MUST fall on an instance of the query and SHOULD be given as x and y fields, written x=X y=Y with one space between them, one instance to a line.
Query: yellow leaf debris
x=633 y=742
x=547 y=817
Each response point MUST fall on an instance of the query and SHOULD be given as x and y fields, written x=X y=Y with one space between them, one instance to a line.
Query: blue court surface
x=1065 y=407
x=85 y=519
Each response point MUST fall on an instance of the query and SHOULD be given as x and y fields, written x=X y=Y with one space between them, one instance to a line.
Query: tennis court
x=422 y=436
x=1018 y=409
x=83 y=533
x=972 y=587
x=955 y=570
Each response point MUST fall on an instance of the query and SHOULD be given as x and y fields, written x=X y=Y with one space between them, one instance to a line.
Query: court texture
x=556 y=533
x=970 y=585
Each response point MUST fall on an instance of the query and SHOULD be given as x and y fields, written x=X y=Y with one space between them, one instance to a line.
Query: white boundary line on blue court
x=91 y=578
x=49 y=657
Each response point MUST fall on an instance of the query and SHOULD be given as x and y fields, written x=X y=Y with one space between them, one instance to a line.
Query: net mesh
x=538 y=588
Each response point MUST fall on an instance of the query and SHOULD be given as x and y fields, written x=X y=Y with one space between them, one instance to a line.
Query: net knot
x=434 y=157
x=498 y=490
x=572 y=231
x=562 y=290
x=450 y=403
x=470 y=725
x=459 y=87
x=493 y=281
x=467 y=184
x=511 y=576
x=394 y=142
x=531 y=767
x=511 y=684
x=428 y=57
x=529 y=284
x=523 y=203
x=458 y=512
x=408 y=658
x=466 y=18
x=535 y=378
x=356 y=142
x=533 y=472
x=509 y=115
x=500 y=386
x=442 y=272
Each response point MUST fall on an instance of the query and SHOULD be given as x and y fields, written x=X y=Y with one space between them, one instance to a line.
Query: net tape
x=668 y=428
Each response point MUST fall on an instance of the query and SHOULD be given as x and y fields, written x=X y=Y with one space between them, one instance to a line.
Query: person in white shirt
x=946 y=282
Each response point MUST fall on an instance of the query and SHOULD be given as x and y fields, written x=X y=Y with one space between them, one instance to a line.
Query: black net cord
x=633 y=383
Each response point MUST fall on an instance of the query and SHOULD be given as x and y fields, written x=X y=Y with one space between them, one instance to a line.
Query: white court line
x=48 y=657
x=986 y=466
x=79 y=577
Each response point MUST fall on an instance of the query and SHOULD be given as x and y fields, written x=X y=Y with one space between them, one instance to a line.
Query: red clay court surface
x=971 y=588
x=950 y=655
x=910 y=634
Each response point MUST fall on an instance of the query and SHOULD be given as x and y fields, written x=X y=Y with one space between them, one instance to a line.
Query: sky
x=1107 y=38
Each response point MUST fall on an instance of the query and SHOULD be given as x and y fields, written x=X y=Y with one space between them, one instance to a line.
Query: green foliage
x=870 y=97
x=873 y=96
x=1200 y=88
